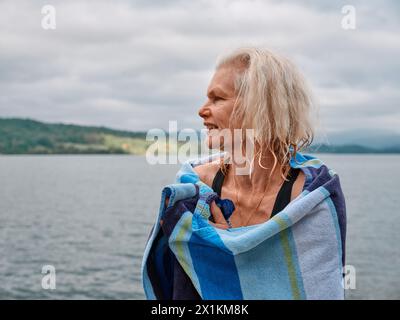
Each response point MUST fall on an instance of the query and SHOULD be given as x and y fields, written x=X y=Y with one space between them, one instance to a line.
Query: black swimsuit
x=284 y=194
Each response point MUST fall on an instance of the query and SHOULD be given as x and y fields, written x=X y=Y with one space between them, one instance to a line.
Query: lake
x=90 y=216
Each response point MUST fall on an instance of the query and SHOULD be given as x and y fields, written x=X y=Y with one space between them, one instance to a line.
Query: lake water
x=90 y=216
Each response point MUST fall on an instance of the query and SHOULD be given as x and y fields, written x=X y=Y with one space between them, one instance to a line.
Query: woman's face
x=219 y=105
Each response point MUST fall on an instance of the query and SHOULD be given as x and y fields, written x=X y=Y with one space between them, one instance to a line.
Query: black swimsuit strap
x=284 y=194
x=218 y=181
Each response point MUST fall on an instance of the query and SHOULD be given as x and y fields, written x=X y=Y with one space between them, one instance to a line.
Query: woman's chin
x=216 y=143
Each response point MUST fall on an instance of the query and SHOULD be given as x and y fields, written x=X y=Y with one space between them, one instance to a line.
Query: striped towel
x=297 y=254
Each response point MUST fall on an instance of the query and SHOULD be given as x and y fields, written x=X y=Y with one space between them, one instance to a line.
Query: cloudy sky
x=138 y=64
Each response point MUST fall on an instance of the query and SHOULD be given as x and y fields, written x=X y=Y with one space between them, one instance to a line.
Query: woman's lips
x=210 y=126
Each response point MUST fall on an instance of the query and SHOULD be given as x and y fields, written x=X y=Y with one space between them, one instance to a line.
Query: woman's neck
x=256 y=178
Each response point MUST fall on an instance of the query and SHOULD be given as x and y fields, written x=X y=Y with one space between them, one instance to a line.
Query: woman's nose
x=204 y=111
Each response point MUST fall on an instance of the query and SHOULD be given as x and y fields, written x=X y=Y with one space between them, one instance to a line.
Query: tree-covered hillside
x=25 y=136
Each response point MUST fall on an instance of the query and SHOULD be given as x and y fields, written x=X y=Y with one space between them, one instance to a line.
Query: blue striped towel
x=297 y=254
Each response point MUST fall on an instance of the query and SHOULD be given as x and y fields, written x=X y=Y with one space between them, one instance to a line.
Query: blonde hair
x=274 y=100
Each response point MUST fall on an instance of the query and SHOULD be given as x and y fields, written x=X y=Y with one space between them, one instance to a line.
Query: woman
x=271 y=227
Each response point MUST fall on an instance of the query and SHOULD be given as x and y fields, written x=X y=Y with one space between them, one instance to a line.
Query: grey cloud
x=137 y=64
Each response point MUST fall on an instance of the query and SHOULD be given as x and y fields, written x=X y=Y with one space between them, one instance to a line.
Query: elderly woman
x=272 y=227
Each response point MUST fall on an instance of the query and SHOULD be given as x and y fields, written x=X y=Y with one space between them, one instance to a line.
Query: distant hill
x=377 y=138
x=350 y=148
x=26 y=136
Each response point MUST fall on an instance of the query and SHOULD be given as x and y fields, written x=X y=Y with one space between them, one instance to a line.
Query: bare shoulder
x=298 y=185
x=207 y=171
